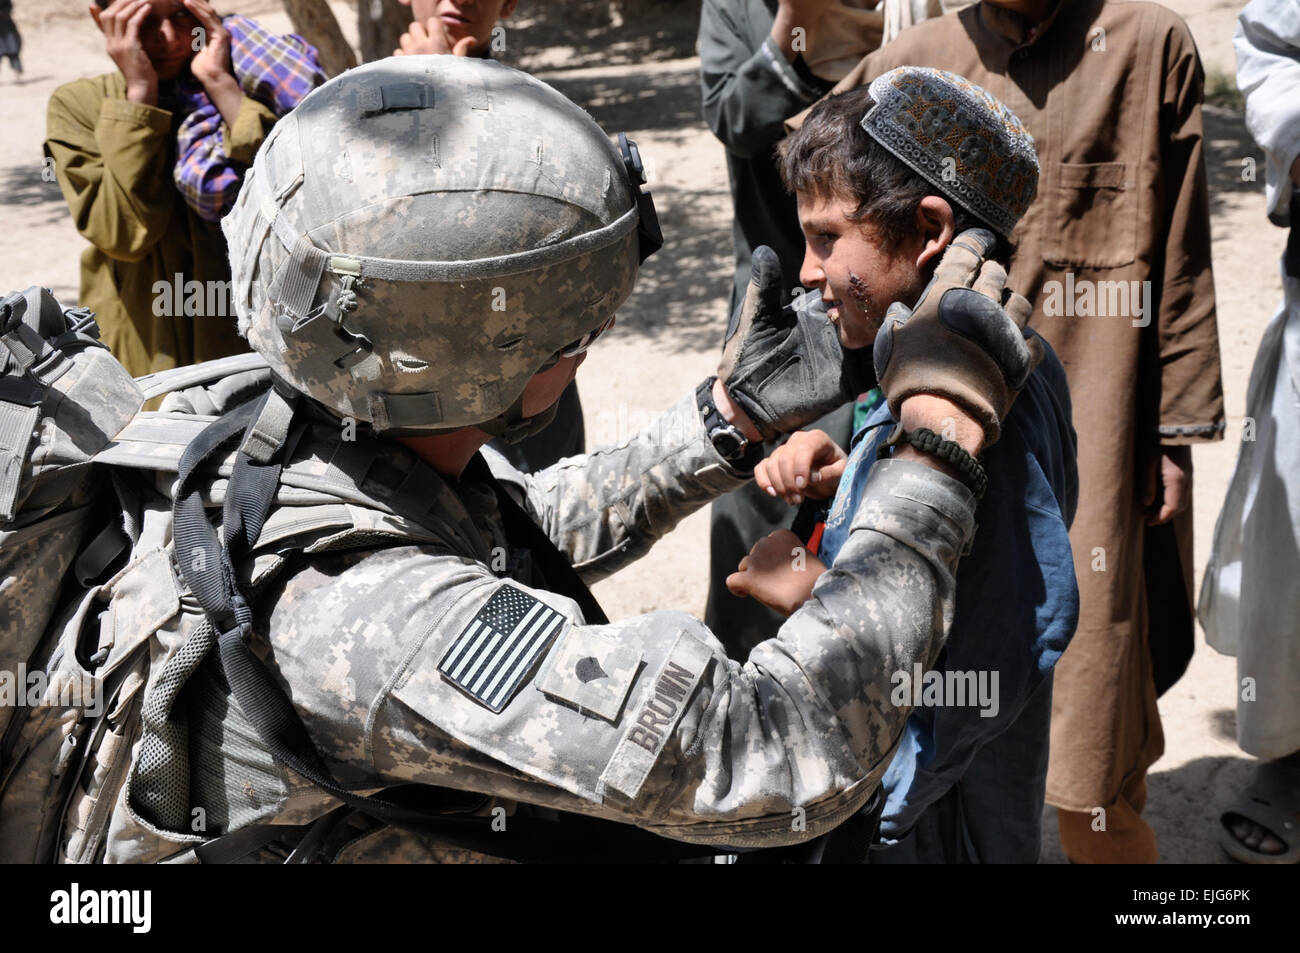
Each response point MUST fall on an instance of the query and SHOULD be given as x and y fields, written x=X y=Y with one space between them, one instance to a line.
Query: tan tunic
x=113 y=160
x=1112 y=95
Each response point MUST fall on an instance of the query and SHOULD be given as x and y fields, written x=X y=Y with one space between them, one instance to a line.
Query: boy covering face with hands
x=455 y=27
x=901 y=187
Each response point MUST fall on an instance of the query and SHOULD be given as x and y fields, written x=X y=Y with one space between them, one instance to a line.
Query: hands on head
x=121 y=24
x=150 y=43
x=953 y=363
x=212 y=62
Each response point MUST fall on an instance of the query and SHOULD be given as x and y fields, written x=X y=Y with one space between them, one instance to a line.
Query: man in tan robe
x=1115 y=255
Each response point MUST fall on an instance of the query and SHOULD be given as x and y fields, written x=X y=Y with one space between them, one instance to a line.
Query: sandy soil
x=646 y=84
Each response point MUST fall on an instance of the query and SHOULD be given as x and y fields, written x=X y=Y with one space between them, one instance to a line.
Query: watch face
x=727 y=442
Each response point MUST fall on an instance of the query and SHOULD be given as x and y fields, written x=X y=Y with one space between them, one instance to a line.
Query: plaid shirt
x=277 y=71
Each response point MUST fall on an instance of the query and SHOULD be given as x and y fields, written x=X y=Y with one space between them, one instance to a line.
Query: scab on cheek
x=858 y=289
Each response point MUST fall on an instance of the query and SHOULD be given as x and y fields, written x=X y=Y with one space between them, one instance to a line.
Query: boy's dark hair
x=832 y=155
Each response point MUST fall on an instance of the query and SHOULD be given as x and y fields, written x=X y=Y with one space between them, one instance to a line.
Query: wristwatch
x=732 y=445
x=927 y=441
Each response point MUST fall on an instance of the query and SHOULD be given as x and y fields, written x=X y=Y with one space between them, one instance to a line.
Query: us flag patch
x=493 y=656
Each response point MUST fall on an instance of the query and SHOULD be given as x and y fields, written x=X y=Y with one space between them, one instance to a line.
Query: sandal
x=1271 y=800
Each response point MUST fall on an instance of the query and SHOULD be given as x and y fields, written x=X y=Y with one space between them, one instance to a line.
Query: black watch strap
x=732 y=445
x=970 y=470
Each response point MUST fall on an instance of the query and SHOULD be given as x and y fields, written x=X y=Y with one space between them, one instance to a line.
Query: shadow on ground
x=683 y=288
x=1183 y=806
x=23 y=187
x=1233 y=162
x=601 y=33
x=658 y=99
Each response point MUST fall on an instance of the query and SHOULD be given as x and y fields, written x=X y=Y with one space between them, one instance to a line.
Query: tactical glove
x=785 y=367
x=965 y=339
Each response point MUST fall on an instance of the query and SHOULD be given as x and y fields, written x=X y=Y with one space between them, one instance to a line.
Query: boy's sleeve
x=212 y=156
x=110 y=160
x=1191 y=388
x=245 y=137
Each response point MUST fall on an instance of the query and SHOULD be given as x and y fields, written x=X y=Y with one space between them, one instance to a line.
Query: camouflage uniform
x=671 y=736
x=418 y=639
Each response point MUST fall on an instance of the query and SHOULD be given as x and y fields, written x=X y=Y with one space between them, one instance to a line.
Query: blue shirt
x=967 y=782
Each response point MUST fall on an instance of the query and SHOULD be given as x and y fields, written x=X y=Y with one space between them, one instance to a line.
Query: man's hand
x=809 y=465
x=431 y=38
x=965 y=340
x=1171 y=471
x=782 y=367
x=794 y=14
x=779 y=572
x=120 y=24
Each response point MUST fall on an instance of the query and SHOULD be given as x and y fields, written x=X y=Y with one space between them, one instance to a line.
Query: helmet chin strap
x=512 y=426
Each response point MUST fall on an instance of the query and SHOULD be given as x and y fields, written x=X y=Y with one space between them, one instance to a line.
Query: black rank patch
x=497 y=651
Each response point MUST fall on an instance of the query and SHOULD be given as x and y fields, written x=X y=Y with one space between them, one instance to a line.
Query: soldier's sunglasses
x=587 y=340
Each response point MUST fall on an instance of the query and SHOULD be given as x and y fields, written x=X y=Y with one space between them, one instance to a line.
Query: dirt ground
x=643 y=78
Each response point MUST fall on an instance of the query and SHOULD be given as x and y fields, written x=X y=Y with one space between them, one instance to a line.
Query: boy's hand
x=431 y=38
x=120 y=24
x=212 y=62
x=809 y=464
x=779 y=572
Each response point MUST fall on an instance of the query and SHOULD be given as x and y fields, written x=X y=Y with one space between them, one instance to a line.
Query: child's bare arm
x=779 y=572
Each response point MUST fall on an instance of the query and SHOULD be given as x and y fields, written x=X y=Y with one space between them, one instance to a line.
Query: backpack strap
x=555 y=568
x=191 y=375
x=34 y=331
x=262 y=426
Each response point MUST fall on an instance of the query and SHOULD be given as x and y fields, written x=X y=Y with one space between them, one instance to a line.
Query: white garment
x=1268 y=73
x=1250 y=598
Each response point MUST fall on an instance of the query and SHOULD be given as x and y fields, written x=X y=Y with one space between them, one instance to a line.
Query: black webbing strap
x=555 y=568
x=208 y=568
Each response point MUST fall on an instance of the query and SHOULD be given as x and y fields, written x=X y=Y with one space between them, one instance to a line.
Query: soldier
x=436 y=632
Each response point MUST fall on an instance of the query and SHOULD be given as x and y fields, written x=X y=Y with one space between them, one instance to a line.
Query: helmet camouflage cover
x=423 y=234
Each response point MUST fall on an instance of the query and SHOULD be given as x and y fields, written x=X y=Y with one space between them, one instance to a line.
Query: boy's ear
x=936 y=225
x=508 y=8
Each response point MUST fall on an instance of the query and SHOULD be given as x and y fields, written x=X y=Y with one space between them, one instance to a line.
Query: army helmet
x=422 y=234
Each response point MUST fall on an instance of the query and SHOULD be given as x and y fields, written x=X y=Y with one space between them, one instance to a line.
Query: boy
x=885 y=178
x=149 y=157
x=1111 y=92
x=453 y=26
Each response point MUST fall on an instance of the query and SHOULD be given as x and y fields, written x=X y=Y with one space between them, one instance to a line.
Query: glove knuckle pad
x=982 y=321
